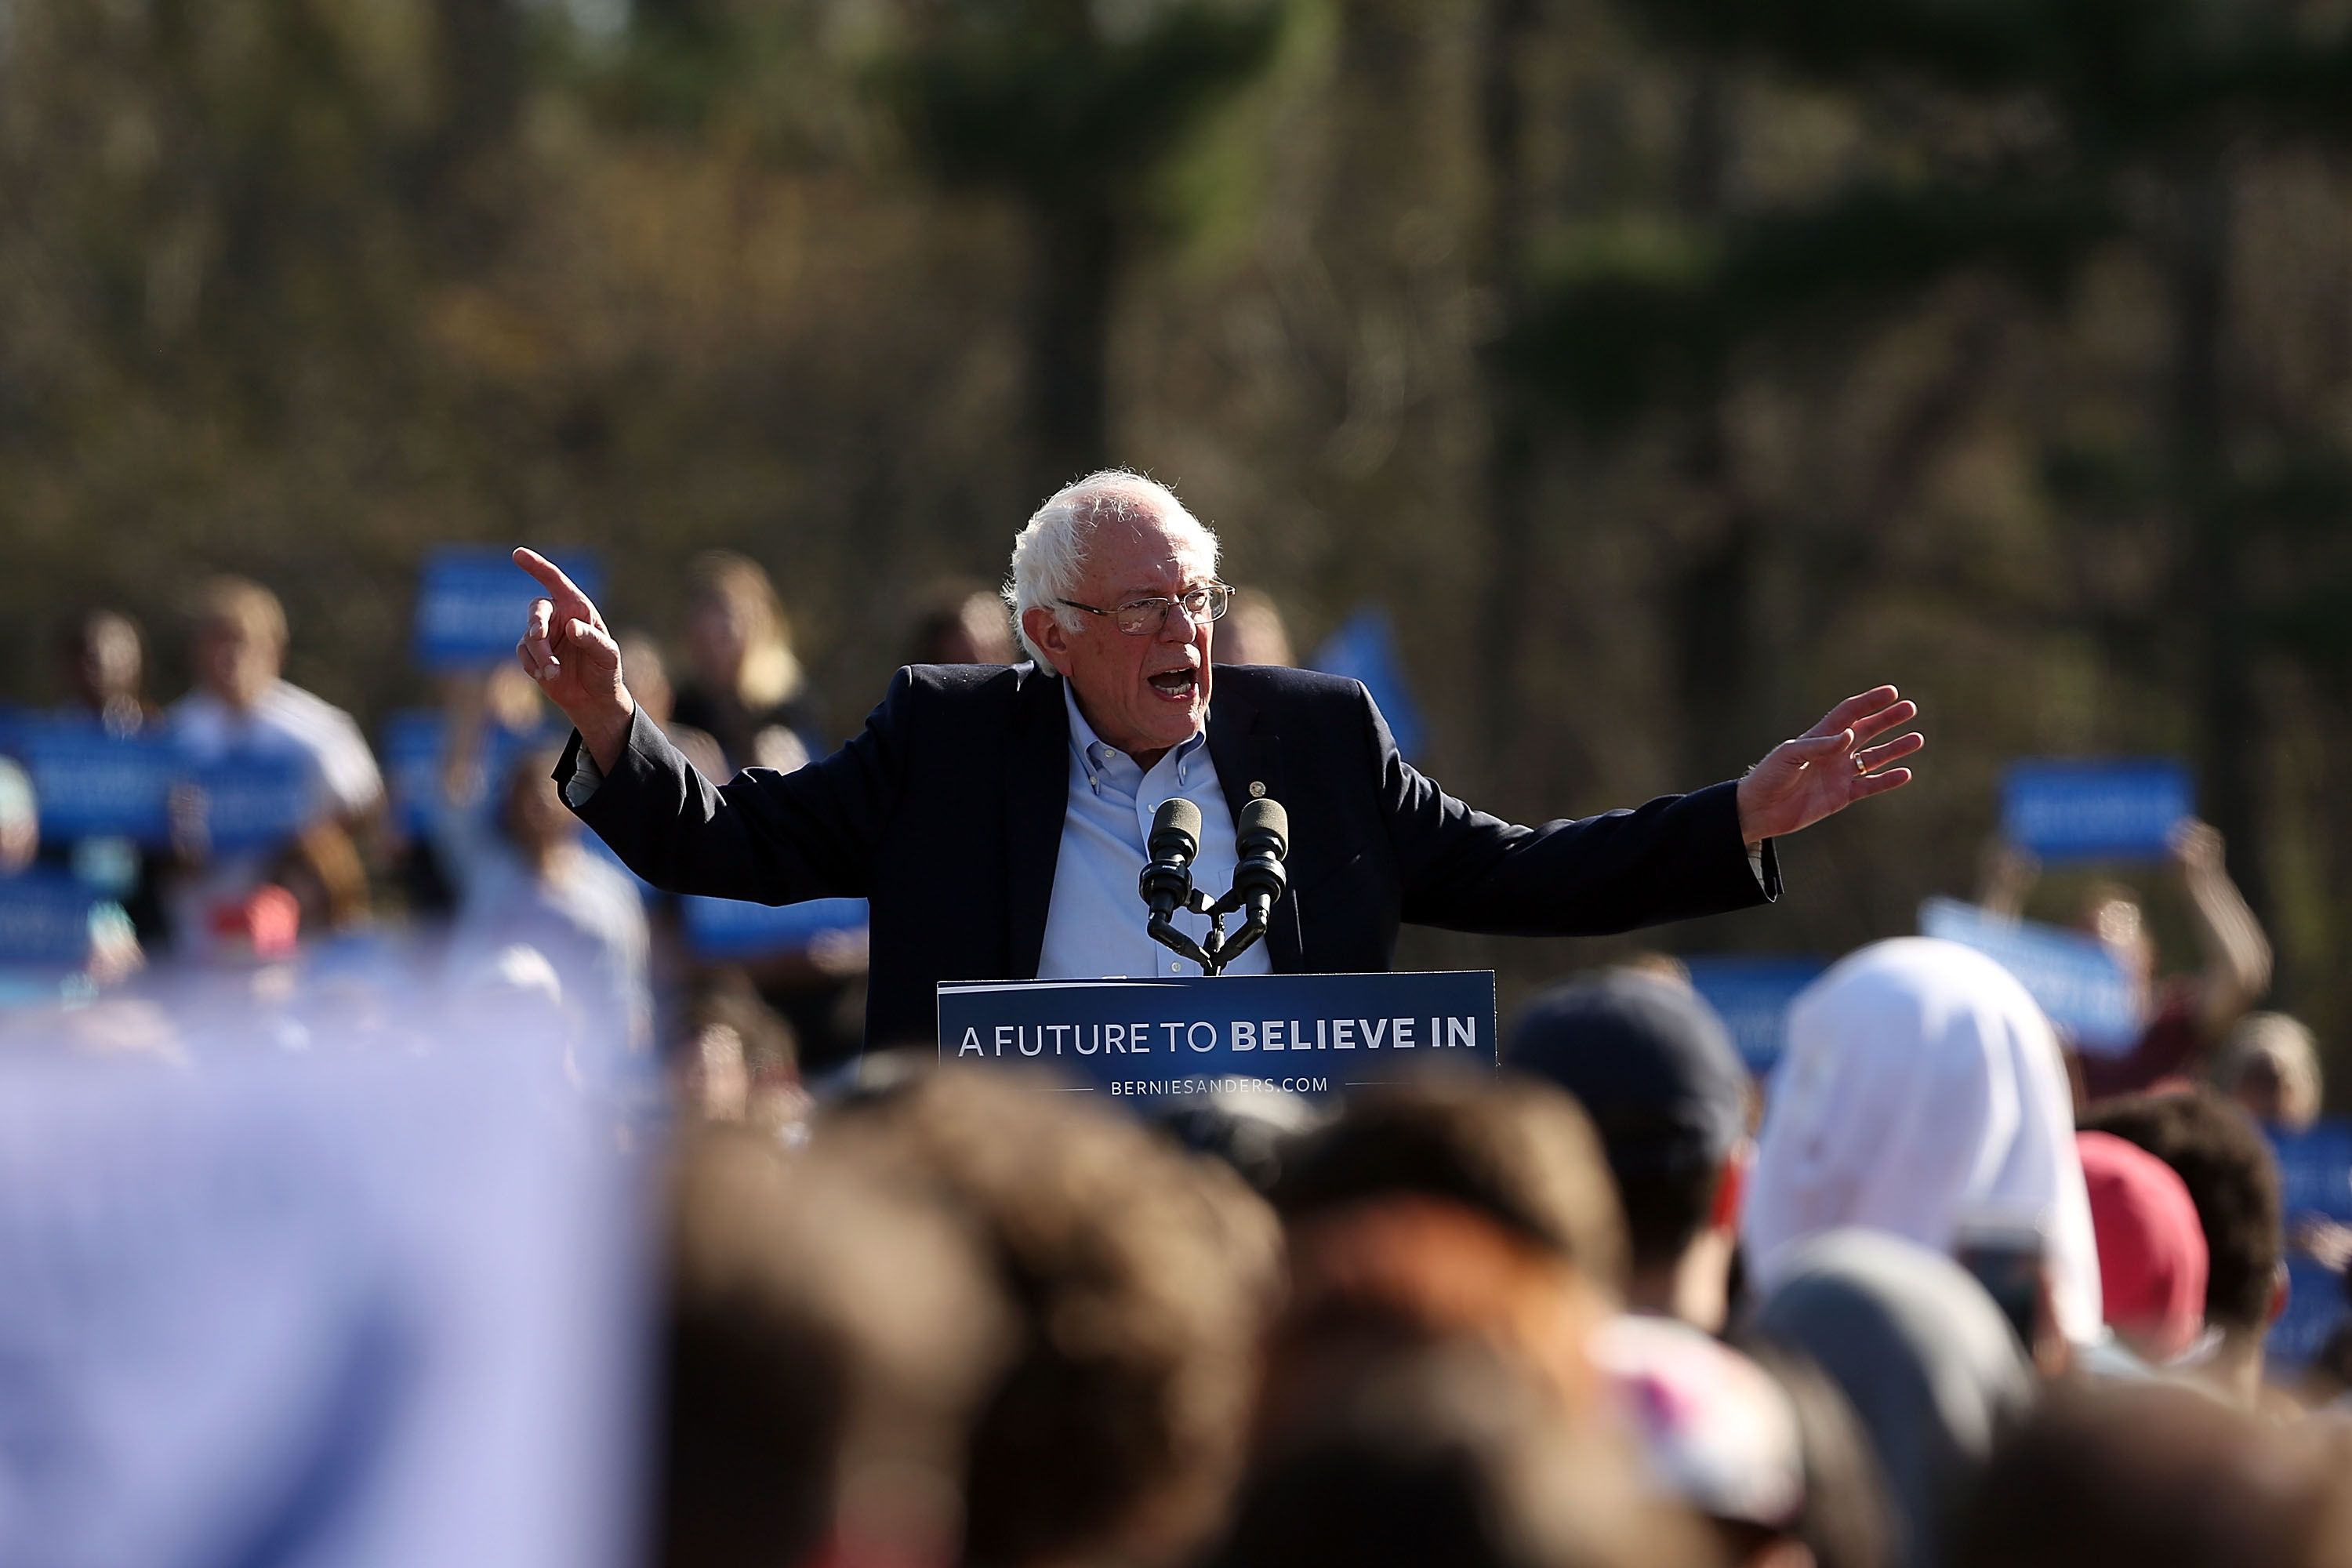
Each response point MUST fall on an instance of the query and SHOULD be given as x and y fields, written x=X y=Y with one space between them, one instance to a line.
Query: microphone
x=1167 y=881
x=1261 y=841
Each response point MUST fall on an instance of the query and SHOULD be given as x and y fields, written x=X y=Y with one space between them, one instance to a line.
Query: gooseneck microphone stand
x=1261 y=839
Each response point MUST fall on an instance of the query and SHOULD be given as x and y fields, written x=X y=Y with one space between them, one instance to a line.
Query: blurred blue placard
x=2315 y=1307
x=2315 y=1180
x=1752 y=997
x=1189 y=1036
x=411 y=744
x=374 y=1311
x=91 y=785
x=723 y=929
x=1364 y=648
x=2078 y=982
x=44 y=921
x=2111 y=810
x=254 y=801
x=471 y=601
x=2315 y=1170
x=416 y=743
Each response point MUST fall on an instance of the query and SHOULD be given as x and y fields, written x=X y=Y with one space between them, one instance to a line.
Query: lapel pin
x=1257 y=790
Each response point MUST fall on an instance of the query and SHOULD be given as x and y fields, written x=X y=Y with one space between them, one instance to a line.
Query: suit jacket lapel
x=1036 y=799
x=1247 y=750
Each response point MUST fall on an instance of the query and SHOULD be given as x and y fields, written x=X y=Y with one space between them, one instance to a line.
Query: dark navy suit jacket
x=946 y=814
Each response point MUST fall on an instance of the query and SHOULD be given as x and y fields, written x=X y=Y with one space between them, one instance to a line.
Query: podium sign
x=1188 y=1036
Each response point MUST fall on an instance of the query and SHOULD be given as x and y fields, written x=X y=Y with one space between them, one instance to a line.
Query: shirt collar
x=1096 y=752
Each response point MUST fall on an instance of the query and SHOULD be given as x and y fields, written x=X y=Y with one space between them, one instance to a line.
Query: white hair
x=1049 y=555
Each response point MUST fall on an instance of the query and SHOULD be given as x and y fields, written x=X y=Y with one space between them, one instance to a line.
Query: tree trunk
x=1509 y=467
x=1073 y=277
x=2211 y=596
x=1711 y=579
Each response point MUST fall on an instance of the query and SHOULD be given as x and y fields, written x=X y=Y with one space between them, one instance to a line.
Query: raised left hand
x=1829 y=767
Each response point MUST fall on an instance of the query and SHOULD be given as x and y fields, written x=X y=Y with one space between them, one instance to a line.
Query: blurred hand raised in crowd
x=1829 y=767
x=2195 y=848
x=566 y=648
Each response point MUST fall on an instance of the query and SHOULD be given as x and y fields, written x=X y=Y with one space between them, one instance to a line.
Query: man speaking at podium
x=996 y=819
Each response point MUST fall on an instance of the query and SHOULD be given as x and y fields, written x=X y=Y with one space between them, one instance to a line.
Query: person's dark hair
x=2233 y=1179
x=1141 y=1276
x=1252 y=1131
x=1652 y=1066
x=1846 y=1522
x=2156 y=1476
x=1448 y=1456
x=815 y=1328
x=1517 y=1150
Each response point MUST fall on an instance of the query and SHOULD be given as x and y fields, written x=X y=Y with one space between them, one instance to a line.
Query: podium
x=1187 y=1037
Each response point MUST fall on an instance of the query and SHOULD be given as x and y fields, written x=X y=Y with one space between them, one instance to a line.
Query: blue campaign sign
x=411 y=748
x=2315 y=1170
x=1189 y=1035
x=414 y=749
x=1364 y=648
x=1752 y=997
x=254 y=801
x=2115 y=810
x=2315 y=1180
x=2076 y=979
x=471 y=601
x=91 y=785
x=44 y=921
x=731 y=928
x=2316 y=1307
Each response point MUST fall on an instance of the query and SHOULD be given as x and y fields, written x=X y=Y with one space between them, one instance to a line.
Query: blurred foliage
x=1671 y=367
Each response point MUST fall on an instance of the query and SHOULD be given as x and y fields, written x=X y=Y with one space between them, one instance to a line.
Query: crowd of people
x=1950 y=1295
x=1584 y=1312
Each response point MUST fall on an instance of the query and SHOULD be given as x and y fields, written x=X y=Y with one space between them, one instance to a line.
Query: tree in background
x=1071 y=109
x=2022 y=142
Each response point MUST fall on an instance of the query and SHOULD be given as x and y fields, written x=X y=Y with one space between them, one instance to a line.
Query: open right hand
x=566 y=648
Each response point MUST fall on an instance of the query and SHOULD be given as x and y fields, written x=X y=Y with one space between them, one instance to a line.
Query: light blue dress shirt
x=1095 y=926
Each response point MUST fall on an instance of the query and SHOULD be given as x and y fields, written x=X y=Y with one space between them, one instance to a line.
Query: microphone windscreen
x=1264 y=826
x=1176 y=830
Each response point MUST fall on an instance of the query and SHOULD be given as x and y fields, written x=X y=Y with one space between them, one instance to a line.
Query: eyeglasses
x=1145 y=618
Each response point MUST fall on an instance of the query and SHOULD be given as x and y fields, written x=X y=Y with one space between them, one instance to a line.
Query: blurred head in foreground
x=1844 y=1522
x=1141 y=1277
x=2152 y=1257
x=2234 y=1182
x=1447 y=1455
x=1253 y=1131
x=1716 y=1435
x=1447 y=1209
x=2158 y=1475
x=1516 y=1152
x=2270 y=1067
x=1923 y=1087
x=1654 y=1069
x=1919 y=1351
x=824 y=1344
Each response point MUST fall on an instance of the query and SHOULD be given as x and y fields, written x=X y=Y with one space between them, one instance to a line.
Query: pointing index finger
x=549 y=574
